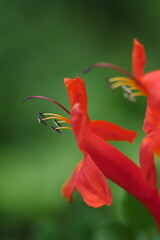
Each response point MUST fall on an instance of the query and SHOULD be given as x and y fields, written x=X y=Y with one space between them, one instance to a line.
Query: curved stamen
x=60 y=122
x=63 y=128
x=56 y=116
x=120 y=81
x=109 y=65
x=135 y=94
x=49 y=99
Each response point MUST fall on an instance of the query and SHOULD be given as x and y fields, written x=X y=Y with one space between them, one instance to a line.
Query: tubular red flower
x=151 y=85
x=87 y=178
x=90 y=182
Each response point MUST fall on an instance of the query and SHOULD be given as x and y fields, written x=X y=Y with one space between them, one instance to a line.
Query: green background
x=41 y=42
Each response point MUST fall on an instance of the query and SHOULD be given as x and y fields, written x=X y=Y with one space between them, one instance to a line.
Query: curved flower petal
x=138 y=59
x=76 y=91
x=151 y=82
x=147 y=161
x=151 y=118
x=92 y=184
x=111 y=131
x=79 y=121
x=156 y=142
x=69 y=187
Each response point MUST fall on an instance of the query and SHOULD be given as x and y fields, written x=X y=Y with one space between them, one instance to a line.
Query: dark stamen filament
x=109 y=65
x=48 y=99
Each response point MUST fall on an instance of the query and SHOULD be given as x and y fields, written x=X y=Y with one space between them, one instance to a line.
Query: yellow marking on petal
x=63 y=128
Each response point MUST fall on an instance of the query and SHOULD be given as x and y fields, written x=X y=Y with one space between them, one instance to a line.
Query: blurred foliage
x=41 y=43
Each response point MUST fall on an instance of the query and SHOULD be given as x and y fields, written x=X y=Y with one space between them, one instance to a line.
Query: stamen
x=60 y=121
x=123 y=80
x=53 y=117
x=135 y=94
x=56 y=116
x=48 y=99
x=128 y=85
x=63 y=128
x=119 y=81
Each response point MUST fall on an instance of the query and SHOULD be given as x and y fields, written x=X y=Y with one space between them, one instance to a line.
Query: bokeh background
x=41 y=42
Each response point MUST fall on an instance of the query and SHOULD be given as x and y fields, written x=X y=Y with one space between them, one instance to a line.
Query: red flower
x=150 y=85
x=87 y=178
x=142 y=84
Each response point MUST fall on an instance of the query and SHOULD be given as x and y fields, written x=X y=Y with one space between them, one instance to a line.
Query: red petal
x=76 y=91
x=92 y=184
x=69 y=187
x=151 y=82
x=138 y=59
x=147 y=162
x=111 y=131
x=79 y=121
x=151 y=120
x=156 y=142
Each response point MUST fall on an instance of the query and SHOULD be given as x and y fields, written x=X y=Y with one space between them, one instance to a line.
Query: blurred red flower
x=147 y=84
